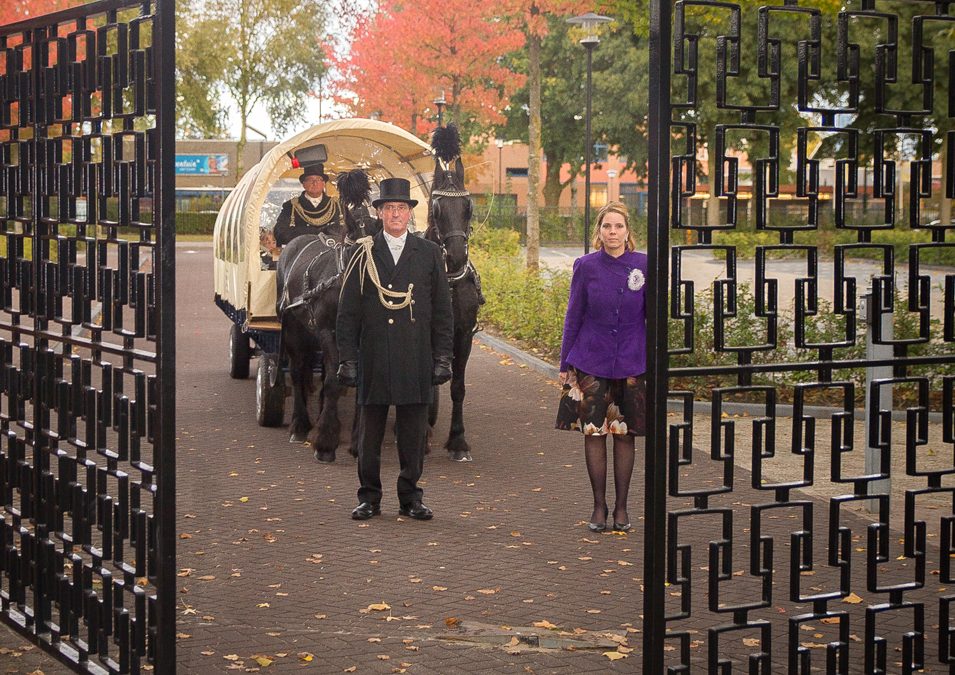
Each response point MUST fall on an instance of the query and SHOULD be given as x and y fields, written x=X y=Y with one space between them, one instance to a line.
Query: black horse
x=310 y=270
x=449 y=226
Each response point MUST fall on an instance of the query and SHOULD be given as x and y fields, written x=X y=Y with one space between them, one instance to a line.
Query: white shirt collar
x=314 y=201
x=395 y=244
x=395 y=241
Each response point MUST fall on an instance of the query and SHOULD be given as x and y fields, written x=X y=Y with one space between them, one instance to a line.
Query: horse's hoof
x=297 y=438
x=325 y=457
x=460 y=456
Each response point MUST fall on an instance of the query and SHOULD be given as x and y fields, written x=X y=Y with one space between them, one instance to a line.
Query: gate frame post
x=658 y=243
x=165 y=221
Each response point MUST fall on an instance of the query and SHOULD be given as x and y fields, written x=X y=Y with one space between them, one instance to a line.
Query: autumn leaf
x=263 y=605
x=207 y=577
x=452 y=622
x=379 y=607
x=439 y=588
x=852 y=599
x=306 y=657
x=243 y=499
x=231 y=657
x=614 y=656
x=752 y=642
x=350 y=670
x=487 y=591
x=544 y=623
x=263 y=661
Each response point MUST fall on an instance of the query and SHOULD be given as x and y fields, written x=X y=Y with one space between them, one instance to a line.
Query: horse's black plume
x=446 y=142
x=353 y=187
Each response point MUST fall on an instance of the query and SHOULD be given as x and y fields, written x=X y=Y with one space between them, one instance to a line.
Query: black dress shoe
x=366 y=510
x=417 y=510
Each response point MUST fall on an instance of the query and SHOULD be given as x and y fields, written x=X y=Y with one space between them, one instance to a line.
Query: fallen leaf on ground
x=379 y=607
x=614 y=656
x=263 y=661
x=544 y=624
x=452 y=622
x=852 y=599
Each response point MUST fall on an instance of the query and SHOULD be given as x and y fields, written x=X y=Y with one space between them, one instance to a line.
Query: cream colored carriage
x=244 y=284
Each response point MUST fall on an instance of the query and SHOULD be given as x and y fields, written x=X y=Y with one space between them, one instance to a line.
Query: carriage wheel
x=269 y=392
x=239 y=353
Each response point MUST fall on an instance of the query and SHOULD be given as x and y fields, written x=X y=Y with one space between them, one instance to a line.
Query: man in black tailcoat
x=312 y=212
x=395 y=355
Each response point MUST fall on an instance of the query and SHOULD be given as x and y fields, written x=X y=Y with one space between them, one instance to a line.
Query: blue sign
x=202 y=165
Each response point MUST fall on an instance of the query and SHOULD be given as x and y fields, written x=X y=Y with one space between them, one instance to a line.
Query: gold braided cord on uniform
x=324 y=216
x=363 y=261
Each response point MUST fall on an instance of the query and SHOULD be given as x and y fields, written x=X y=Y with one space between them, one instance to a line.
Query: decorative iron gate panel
x=803 y=328
x=87 y=454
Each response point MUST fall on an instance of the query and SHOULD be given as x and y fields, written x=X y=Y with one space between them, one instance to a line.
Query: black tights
x=595 y=450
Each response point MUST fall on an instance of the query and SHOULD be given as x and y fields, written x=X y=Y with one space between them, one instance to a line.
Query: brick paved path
x=273 y=568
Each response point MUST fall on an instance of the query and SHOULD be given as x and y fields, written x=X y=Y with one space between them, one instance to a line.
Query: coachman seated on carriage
x=312 y=212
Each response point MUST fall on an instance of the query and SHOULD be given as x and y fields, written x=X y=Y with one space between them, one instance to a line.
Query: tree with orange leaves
x=406 y=53
x=12 y=11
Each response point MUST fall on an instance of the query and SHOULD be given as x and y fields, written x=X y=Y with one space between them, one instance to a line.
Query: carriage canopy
x=381 y=149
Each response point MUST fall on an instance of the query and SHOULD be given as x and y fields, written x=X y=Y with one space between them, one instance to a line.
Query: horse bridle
x=359 y=220
x=441 y=239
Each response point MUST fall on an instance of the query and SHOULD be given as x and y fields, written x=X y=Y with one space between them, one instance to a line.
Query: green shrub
x=195 y=222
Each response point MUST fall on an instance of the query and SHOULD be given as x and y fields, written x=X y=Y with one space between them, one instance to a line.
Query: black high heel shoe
x=600 y=527
x=621 y=527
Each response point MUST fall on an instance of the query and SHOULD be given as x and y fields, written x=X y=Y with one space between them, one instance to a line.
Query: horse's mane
x=446 y=142
x=353 y=187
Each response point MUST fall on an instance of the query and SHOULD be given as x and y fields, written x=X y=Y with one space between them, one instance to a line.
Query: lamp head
x=499 y=142
x=589 y=22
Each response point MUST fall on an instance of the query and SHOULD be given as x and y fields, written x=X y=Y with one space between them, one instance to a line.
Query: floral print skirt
x=598 y=406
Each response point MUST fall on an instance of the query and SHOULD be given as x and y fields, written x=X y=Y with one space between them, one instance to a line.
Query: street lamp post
x=499 y=142
x=440 y=101
x=611 y=174
x=589 y=22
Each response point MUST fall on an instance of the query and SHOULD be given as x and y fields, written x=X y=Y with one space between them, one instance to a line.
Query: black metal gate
x=803 y=331
x=87 y=353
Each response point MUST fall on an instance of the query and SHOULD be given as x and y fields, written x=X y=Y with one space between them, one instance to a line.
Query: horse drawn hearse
x=299 y=336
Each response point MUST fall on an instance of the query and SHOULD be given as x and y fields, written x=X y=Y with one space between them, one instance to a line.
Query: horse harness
x=468 y=266
x=339 y=248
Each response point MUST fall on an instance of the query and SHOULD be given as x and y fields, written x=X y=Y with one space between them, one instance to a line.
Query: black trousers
x=411 y=430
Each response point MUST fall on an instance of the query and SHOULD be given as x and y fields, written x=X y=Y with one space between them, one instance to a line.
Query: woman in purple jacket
x=603 y=359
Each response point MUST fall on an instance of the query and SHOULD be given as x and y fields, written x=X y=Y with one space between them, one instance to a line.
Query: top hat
x=395 y=190
x=317 y=169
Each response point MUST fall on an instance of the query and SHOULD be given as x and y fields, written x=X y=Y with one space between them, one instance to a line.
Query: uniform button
x=392 y=321
x=389 y=285
x=613 y=332
x=391 y=302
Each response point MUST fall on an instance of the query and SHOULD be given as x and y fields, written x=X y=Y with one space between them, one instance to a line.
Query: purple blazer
x=605 y=331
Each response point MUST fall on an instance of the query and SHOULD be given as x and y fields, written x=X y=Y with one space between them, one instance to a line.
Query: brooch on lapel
x=635 y=280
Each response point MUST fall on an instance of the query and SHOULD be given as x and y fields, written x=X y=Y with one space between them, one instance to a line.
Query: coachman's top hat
x=395 y=190
x=317 y=169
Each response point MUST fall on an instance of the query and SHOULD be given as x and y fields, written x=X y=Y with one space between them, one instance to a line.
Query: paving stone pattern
x=272 y=568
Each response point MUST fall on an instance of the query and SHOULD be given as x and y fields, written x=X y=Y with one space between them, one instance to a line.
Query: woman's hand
x=564 y=378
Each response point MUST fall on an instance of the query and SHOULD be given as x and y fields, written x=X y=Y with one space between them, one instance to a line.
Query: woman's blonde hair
x=613 y=207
